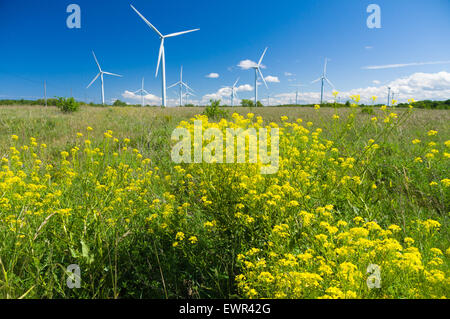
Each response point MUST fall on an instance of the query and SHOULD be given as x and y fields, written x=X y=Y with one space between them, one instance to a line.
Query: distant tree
x=119 y=103
x=68 y=105
x=247 y=103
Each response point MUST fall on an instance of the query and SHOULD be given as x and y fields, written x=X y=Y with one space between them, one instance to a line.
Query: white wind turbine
x=142 y=92
x=233 y=94
x=100 y=74
x=296 y=92
x=181 y=84
x=258 y=71
x=323 y=78
x=162 y=55
x=186 y=96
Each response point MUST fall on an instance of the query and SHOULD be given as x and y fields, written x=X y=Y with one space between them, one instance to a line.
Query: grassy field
x=356 y=192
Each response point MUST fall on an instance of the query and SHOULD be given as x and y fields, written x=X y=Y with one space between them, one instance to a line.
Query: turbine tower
x=257 y=69
x=100 y=74
x=322 y=79
x=181 y=84
x=162 y=54
x=389 y=96
x=186 y=96
x=296 y=92
x=142 y=93
x=233 y=92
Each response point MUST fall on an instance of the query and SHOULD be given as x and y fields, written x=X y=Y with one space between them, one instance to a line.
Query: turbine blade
x=161 y=52
x=325 y=67
x=144 y=91
x=315 y=81
x=96 y=61
x=147 y=22
x=113 y=74
x=262 y=77
x=187 y=86
x=175 y=84
x=262 y=57
x=331 y=84
x=93 y=80
x=236 y=82
x=179 y=33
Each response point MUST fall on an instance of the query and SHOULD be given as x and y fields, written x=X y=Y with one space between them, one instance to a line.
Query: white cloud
x=392 y=66
x=376 y=82
x=420 y=86
x=248 y=64
x=368 y=47
x=213 y=76
x=288 y=74
x=136 y=99
x=244 y=88
x=224 y=93
x=272 y=79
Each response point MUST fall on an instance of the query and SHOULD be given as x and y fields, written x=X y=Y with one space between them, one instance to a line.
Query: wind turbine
x=389 y=96
x=181 y=84
x=257 y=69
x=186 y=95
x=233 y=94
x=162 y=54
x=323 y=78
x=100 y=74
x=296 y=92
x=142 y=92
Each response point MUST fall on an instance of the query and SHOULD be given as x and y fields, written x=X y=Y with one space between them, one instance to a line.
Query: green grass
x=125 y=215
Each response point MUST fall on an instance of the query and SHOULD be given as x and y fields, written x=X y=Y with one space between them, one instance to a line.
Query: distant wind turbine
x=296 y=92
x=233 y=94
x=257 y=69
x=162 y=55
x=181 y=84
x=100 y=74
x=389 y=96
x=323 y=78
x=186 y=96
x=142 y=92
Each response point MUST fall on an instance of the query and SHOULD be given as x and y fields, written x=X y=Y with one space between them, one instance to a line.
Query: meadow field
x=359 y=207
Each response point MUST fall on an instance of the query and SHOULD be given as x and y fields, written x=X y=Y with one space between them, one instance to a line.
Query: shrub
x=213 y=110
x=119 y=103
x=247 y=103
x=68 y=105
x=367 y=110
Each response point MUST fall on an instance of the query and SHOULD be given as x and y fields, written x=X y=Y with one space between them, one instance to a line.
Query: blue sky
x=38 y=46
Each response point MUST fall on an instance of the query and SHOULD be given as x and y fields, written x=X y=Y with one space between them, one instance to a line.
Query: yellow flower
x=179 y=236
x=193 y=239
